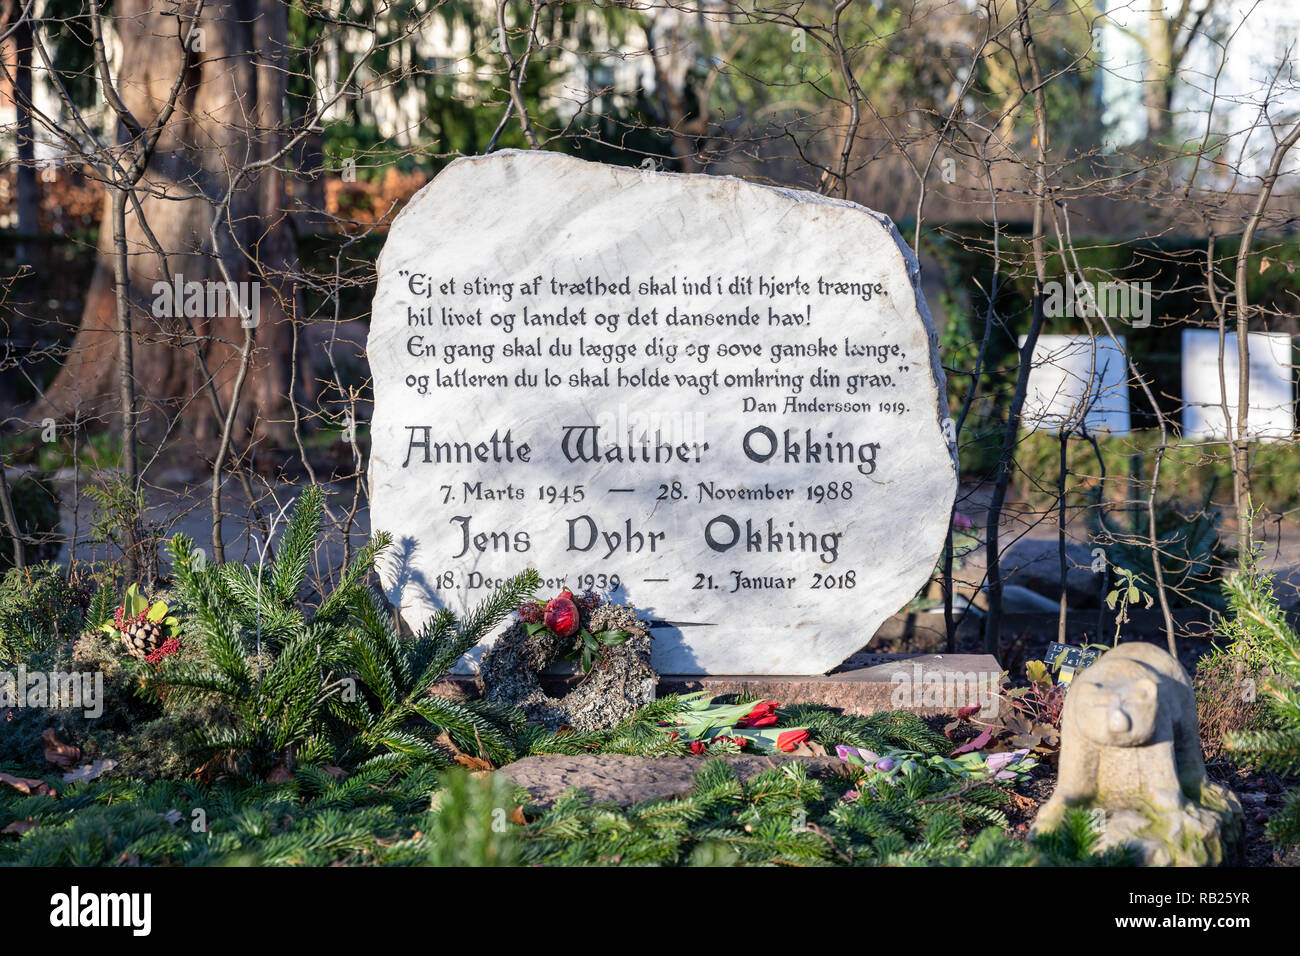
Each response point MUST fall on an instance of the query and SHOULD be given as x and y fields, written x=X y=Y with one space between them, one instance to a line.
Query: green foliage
x=1262 y=626
x=397 y=720
x=313 y=820
x=784 y=816
x=1229 y=678
x=307 y=687
x=1075 y=841
x=275 y=689
x=470 y=823
x=38 y=608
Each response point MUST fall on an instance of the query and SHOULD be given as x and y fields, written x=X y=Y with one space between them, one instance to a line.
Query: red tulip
x=790 y=739
x=697 y=747
x=562 y=614
x=763 y=715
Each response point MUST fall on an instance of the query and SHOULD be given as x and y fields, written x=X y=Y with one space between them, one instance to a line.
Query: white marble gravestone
x=719 y=401
x=1271 y=392
x=1074 y=372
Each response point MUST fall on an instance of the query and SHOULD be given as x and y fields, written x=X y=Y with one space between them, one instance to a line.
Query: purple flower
x=855 y=755
x=999 y=761
x=886 y=764
x=1005 y=775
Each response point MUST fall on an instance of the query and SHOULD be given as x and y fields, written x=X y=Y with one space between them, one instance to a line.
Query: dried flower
x=532 y=612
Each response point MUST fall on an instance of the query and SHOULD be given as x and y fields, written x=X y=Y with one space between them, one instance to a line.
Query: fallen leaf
x=57 y=752
x=26 y=784
x=19 y=827
x=473 y=763
x=970 y=711
x=90 y=771
x=517 y=816
x=1022 y=801
x=972 y=745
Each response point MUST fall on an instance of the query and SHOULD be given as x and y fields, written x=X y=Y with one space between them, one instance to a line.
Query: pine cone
x=143 y=638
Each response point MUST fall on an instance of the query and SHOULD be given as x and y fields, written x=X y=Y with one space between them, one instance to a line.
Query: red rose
x=790 y=739
x=562 y=614
x=697 y=747
x=763 y=715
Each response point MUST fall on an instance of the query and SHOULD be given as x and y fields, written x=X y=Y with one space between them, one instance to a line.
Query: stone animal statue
x=1130 y=748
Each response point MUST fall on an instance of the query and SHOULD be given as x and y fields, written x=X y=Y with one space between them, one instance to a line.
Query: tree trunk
x=1156 y=86
x=27 y=204
x=228 y=115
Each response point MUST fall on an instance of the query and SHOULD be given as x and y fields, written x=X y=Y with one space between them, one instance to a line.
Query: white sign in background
x=1272 y=392
x=1070 y=371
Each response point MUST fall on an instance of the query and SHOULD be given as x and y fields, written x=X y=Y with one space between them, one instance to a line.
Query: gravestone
x=719 y=401
x=1071 y=372
x=1271 y=393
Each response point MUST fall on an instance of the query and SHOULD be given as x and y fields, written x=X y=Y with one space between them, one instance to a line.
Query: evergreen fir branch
x=101 y=608
x=297 y=545
x=472 y=731
x=474 y=627
x=1284 y=824
x=342 y=600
